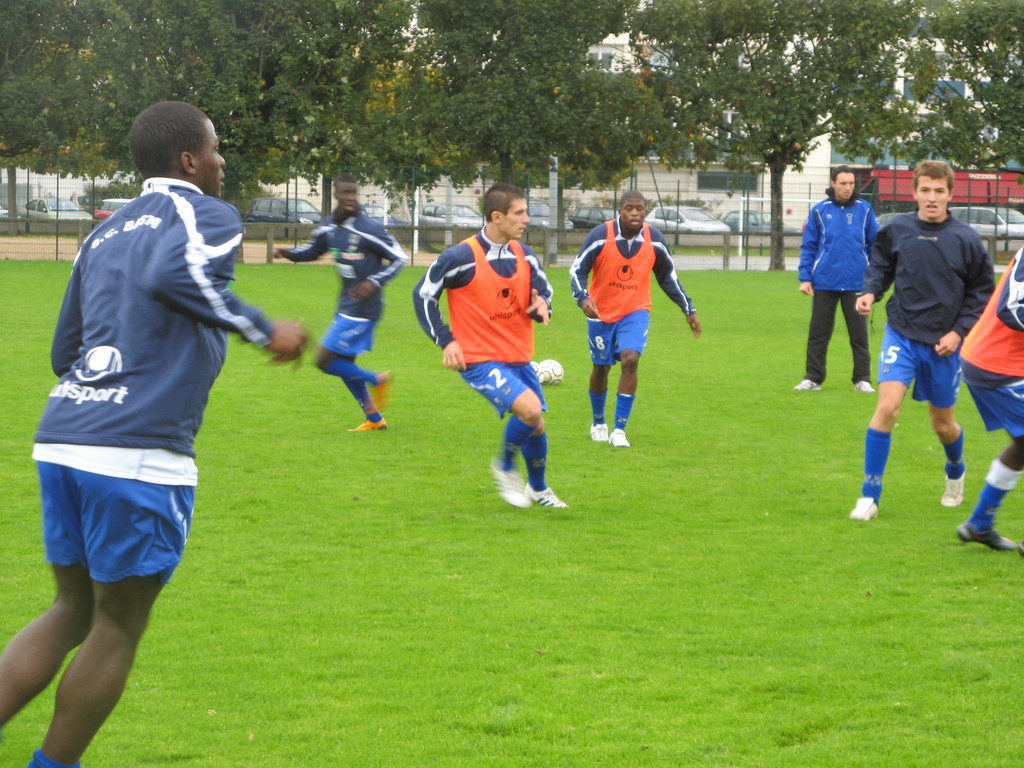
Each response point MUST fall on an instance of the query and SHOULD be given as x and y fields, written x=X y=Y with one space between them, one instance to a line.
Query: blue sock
x=516 y=432
x=876 y=455
x=344 y=368
x=358 y=389
x=597 y=403
x=989 y=500
x=39 y=760
x=535 y=456
x=955 y=466
x=623 y=407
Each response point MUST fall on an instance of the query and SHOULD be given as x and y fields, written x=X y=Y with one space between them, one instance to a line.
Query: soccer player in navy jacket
x=140 y=338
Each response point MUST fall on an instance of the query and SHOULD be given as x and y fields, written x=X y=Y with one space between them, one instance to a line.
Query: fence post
x=270 y=244
x=726 y=243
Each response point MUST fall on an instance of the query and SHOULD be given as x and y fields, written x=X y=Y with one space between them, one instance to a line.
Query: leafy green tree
x=756 y=83
x=285 y=83
x=40 y=84
x=509 y=86
x=981 y=44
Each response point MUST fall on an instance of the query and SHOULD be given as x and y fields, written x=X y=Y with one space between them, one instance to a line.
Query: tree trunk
x=778 y=260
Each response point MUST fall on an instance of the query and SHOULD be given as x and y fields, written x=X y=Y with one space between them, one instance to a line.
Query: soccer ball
x=550 y=372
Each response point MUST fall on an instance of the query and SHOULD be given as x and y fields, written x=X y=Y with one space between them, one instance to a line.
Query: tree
x=756 y=83
x=980 y=44
x=510 y=86
x=39 y=82
x=285 y=83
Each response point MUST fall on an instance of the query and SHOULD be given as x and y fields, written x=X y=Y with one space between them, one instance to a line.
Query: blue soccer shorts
x=349 y=336
x=1001 y=407
x=113 y=527
x=502 y=383
x=935 y=378
x=607 y=340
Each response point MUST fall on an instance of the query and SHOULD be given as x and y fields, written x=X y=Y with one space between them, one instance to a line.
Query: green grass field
x=366 y=600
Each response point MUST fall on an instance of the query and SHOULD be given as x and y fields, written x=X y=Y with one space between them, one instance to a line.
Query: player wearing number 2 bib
x=941 y=278
x=496 y=290
x=367 y=259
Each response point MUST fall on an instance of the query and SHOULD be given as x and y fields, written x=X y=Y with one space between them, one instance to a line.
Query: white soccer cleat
x=863 y=386
x=954 y=492
x=865 y=509
x=807 y=386
x=545 y=498
x=599 y=433
x=617 y=439
x=510 y=485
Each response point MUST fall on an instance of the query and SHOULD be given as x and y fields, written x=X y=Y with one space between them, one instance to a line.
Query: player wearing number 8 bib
x=941 y=277
x=496 y=290
x=619 y=257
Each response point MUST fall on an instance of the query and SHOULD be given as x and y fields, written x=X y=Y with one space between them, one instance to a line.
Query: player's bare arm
x=364 y=289
x=282 y=253
x=538 y=308
x=948 y=344
x=589 y=308
x=287 y=341
x=694 y=322
x=452 y=358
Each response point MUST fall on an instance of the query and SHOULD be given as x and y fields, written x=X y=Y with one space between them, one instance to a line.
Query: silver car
x=684 y=219
x=54 y=209
x=1001 y=222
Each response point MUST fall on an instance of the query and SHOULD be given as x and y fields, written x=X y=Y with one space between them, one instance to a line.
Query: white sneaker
x=510 y=485
x=954 y=492
x=865 y=509
x=863 y=386
x=545 y=498
x=807 y=386
x=618 y=439
x=599 y=433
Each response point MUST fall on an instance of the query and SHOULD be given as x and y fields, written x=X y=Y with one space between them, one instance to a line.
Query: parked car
x=540 y=215
x=54 y=209
x=109 y=205
x=684 y=219
x=376 y=212
x=885 y=218
x=755 y=221
x=1002 y=222
x=280 y=209
x=462 y=216
x=588 y=218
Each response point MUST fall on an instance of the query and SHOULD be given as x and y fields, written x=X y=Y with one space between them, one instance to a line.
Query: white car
x=1001 y=222
x=684 y=219
x=462 y=216
x=54 y=209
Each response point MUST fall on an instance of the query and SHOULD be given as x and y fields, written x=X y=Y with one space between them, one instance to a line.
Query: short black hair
x=345 y=178
x=839 y=169
x=162 y=132
x=632 y=194
x=500 y=198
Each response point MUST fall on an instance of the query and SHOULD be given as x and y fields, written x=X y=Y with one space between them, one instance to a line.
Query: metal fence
x=736 y=199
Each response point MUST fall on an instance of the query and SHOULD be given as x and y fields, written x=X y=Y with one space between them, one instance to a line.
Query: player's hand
x=864 y=303
x=948 y=344
x=364 y=289
x=282 y=253
x=287 y=341
x=806 y=287
x=538 y=308
x=453 y=358
x=694 y=323
x=589 y=308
